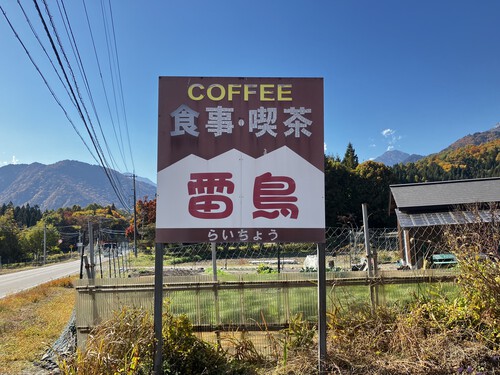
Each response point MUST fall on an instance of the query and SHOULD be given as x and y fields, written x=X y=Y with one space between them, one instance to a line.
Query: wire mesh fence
x=345 y=251
x=262 y=285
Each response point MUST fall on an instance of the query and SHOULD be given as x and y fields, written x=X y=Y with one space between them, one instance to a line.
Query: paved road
x=17 y=281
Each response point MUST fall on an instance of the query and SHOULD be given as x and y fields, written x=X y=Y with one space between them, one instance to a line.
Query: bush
x=124 y=344
x=263 y=268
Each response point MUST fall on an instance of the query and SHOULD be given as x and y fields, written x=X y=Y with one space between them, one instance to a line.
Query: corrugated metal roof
x=426 y=219
x=446 y=193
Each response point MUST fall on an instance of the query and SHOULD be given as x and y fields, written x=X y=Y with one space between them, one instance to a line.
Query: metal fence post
x=366 y=230
x=213 y=247
x=158 y=307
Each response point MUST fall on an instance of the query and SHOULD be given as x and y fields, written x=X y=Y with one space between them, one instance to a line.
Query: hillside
x=476 y=138
x=485 y=155
x=470 y=161
x=394 y=157
x=64 y=184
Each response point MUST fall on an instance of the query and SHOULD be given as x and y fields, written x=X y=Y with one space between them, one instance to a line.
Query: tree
x=339 y=185
x=373 y=189
x=32 y=239
x=350 y=158
x=146 y=221
x=27 y=216
x=476 y=246
x=10 y=249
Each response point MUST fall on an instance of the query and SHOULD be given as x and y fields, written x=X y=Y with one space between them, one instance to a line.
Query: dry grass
x=393 y=342
x=116 y=346
x=31 y=321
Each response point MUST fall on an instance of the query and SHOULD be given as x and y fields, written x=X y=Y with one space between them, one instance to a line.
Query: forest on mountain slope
x=348 y=184
x=471 y=161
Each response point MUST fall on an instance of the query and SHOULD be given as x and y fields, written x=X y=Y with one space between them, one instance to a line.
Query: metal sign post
x=321 y=252
x=158 y=309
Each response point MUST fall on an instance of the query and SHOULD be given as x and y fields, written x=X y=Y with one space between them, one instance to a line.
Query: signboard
x=240 y=160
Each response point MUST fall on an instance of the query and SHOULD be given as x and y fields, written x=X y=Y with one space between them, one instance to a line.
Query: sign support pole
x=321 y=253
x=158 y=306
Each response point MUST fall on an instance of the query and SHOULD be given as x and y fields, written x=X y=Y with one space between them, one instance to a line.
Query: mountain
x=476 y=138
x=393 y=157
x=66 y=183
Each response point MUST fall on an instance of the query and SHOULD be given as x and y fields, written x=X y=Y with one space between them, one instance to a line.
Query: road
x=17 y=281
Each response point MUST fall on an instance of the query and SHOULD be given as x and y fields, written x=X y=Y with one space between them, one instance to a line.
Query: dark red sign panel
x=240 y=160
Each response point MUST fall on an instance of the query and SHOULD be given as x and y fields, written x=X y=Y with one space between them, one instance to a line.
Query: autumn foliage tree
x=10 y=247
x=471 y=161
x=146 y=221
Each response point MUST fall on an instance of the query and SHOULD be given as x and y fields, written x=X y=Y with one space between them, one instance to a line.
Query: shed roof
x=446 y=193
x=429 y=219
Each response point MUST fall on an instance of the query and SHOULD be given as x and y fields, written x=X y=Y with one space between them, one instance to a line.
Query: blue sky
x=408 y=75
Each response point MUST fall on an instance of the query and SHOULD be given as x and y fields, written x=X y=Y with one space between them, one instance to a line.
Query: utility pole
x=135 y=219
x=44 y=243
x=80 y=250
x=91 y=251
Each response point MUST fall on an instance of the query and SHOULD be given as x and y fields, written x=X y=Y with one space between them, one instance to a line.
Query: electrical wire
x=69 y=82
x=46 y=83
x=78 y=98
x=121 y=86
x=105 y=91
x=71 y=37
x=76 y=53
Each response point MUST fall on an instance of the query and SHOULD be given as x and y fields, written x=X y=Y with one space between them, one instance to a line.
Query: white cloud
x=14 y=160
x=391 y=138
x=324 y=146
x=388 y=132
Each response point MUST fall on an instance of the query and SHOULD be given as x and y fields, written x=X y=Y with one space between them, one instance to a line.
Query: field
x=250 y=304
x=275 y=305
x=30 y=322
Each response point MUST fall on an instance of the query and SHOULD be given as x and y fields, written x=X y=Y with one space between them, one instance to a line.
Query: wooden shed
x=422 y=210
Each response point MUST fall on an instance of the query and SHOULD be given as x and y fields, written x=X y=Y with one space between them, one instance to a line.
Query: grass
x=142 y=260
x=272 y=303
x=250 y=305
x=31 y=321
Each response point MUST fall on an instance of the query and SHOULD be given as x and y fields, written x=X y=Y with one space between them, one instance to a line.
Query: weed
x=124 y=345
x=263 y=268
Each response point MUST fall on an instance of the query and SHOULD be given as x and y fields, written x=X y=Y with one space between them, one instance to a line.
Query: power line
x=80 y=107
x=76 y=53
x=46 y=83
x=44 y=49
x=71 y=85
x=120 y=147
x=72 y=39
x=120 y=85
